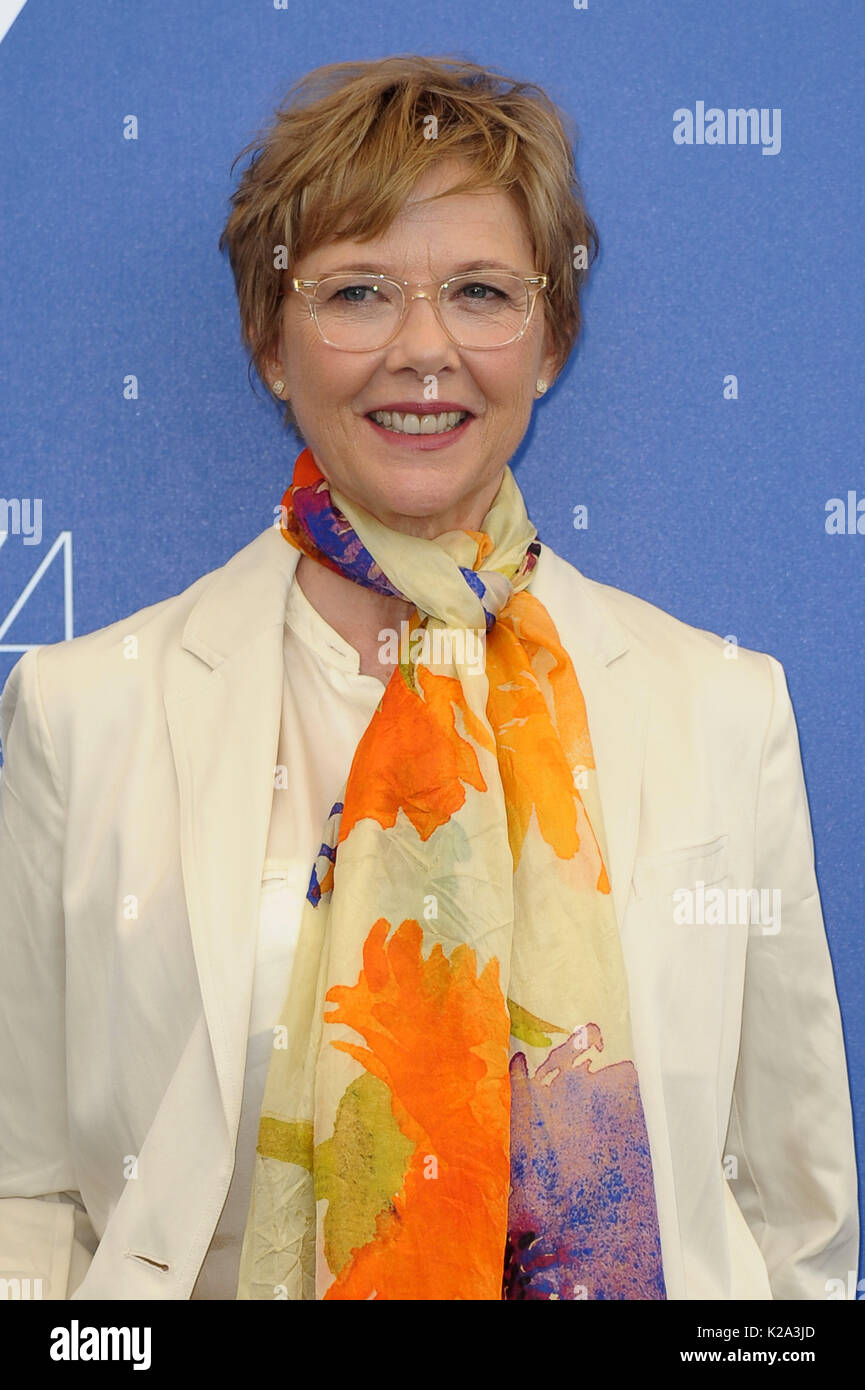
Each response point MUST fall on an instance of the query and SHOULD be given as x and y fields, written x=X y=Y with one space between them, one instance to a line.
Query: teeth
x=419 y=424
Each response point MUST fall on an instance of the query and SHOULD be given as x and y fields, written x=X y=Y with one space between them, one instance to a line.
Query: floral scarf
x=451 y=1108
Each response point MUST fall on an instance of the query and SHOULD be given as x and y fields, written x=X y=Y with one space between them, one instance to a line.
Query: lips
x=409 y=423
x=432 y=418
x=421 y=408
x=428 y=431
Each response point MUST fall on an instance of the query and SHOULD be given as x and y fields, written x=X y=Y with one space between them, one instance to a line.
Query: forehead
x=440 y=237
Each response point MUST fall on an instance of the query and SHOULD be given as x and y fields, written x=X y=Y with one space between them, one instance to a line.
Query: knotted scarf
x=451 y=1109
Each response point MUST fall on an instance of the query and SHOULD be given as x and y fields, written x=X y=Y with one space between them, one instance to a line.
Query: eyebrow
x=368 y=268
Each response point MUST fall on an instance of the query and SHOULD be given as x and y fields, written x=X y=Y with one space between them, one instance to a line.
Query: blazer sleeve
x=791 y=1123
x=45 y=1233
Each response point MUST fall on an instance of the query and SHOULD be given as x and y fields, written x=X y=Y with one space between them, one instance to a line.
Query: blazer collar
x=249 y=592
x=245 y=597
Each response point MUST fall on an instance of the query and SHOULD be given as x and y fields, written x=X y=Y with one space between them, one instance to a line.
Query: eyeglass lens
x=364 y=311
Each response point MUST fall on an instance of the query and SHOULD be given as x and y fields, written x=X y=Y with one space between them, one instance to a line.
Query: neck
x=356 y=613
x=466 y=513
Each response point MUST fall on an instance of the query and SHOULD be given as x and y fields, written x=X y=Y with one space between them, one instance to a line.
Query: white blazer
x=134 y=811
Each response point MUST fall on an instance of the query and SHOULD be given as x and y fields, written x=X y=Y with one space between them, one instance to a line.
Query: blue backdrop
x=718 y=261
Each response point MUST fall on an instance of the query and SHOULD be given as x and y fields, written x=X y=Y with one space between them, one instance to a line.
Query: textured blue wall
x=716 y=259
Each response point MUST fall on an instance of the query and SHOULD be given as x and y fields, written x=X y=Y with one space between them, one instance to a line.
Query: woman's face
x=425 y=491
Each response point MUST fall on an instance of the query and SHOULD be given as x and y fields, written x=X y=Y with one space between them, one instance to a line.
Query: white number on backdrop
x=63 y=543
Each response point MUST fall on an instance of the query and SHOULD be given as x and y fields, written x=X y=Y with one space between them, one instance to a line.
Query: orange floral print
x=425 y=762
x=437 y=1035
x=537 y=746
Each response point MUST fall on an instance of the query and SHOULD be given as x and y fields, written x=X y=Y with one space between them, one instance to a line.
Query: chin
x=420 y=503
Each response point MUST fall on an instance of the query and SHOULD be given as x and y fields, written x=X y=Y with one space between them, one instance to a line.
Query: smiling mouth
x=419 y=424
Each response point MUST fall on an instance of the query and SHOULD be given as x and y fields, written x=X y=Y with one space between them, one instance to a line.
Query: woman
x=524 y=1030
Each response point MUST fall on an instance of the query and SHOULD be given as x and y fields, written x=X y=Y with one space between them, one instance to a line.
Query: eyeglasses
x=479 y=310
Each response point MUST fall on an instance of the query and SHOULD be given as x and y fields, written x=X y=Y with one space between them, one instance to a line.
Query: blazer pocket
x=685 y=966
x=659 y=875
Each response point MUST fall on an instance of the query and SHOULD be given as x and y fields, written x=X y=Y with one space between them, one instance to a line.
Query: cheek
x=337 y=375
x=511 y=381
x=301 y=349
x=301 y=344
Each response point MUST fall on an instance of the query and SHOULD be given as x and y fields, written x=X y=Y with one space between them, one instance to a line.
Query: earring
x=540 y=386
x=278 y=387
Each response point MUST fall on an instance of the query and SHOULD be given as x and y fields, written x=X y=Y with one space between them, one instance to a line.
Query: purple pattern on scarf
x=319 y=521
x=318 y=526
x=582 y=1219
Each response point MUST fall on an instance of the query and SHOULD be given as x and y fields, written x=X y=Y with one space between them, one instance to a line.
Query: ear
x=551 y=364
x=271 y=365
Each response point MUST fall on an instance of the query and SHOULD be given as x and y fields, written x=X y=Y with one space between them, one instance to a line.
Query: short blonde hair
x=344 y=151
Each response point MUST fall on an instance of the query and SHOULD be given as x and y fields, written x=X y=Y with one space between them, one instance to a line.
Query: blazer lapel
x=616 y=705
x=223 y=719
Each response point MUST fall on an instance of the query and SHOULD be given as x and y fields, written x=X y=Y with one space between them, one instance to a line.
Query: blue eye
x=476 y=285
x=350 y=290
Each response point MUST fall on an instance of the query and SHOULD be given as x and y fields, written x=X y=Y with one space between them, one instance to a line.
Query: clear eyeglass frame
x=534 y=285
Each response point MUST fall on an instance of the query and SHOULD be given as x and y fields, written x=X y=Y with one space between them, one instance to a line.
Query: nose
x=421 y=341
